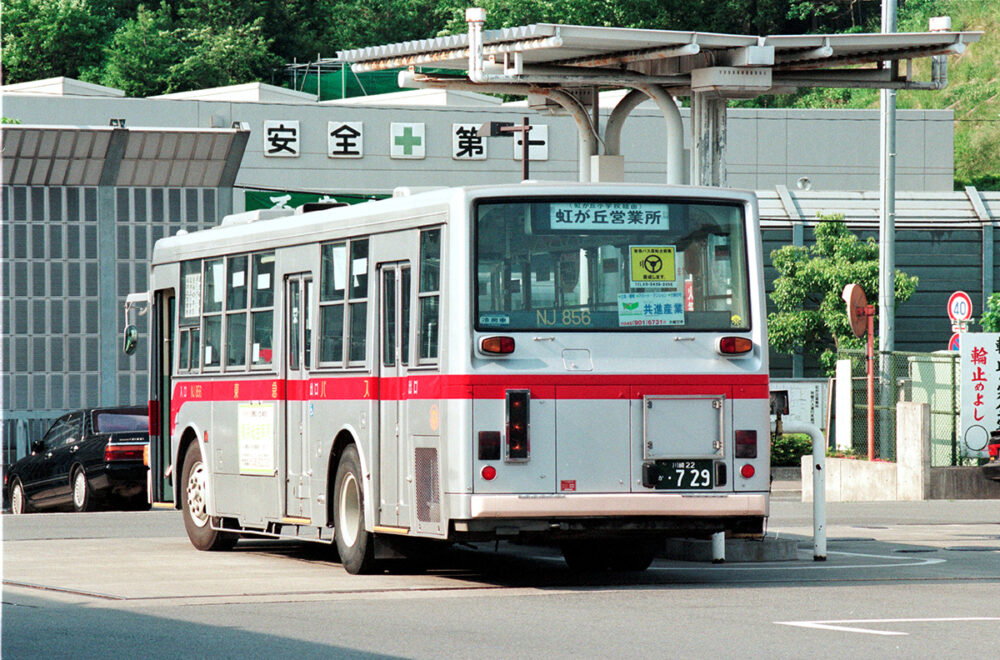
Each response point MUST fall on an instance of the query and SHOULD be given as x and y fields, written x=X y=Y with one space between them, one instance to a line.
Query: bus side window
x=262 y=309
x=236 y=314
x=429 y=294
x=190 y=316
x=332 y=293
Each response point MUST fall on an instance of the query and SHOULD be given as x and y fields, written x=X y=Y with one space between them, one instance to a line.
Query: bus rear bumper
x=619 y=505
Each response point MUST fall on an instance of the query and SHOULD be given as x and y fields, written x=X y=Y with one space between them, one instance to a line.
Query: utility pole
x=887 y=227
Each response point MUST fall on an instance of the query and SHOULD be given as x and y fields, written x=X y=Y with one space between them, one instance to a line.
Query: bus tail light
x=734 y=345
x=747 y=471
x=746 y=444
x=123 y=452
x=154 y=417
x=517 y=426
x=489 y=472
x=497 y=345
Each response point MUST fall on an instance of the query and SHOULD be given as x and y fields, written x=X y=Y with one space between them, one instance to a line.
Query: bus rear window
x=611 y=264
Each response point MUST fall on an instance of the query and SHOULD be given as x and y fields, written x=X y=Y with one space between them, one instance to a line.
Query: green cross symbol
x=407 y=140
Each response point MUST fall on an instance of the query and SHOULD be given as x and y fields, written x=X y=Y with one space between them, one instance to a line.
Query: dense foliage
x=147 y=48
x=788 y=450
x=811 y=315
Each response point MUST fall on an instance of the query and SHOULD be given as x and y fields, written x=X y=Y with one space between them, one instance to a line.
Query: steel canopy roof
x=663 y=53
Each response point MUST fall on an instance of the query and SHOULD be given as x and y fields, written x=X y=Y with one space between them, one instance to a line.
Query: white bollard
x=719 y=548
x=819 y=481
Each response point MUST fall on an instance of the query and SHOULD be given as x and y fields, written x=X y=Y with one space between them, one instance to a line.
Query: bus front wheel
x=196 y=519
x=354 y=544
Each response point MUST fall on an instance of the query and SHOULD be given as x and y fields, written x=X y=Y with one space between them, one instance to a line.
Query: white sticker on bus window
x=256 y=353
x=218 y=282
x=608 y=216
x=239 y=279
x=255 y=432
x=263 y=281
x=192 y=295
x=208 y=355
x=494 y=320
x=652 y=265
x=650 y=309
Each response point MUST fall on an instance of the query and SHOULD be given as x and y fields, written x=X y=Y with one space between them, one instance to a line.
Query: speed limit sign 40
x=959 y=306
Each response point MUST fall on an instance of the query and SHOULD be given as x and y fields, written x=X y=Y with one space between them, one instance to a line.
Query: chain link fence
x=931 y=378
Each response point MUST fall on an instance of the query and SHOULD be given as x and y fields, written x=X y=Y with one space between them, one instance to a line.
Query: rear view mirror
x=130 y=339
x=37 y=447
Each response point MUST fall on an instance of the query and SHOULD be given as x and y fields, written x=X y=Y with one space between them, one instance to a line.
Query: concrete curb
x=737 y=550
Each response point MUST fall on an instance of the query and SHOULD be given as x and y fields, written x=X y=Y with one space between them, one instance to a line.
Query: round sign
x=953 y=343
x=960 y=306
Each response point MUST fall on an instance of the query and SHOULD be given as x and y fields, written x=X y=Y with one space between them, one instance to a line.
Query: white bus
x=576 y=364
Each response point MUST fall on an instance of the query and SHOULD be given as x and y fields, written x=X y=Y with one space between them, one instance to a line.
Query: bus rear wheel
x=354 y=543
x=197 y=522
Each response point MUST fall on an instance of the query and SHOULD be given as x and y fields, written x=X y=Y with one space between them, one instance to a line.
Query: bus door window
x=262 y=309
x=236 y=314
x=293 y=325
x=333 y=287
x=358 y=301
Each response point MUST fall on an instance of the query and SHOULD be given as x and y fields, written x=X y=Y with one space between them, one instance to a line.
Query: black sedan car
x=87 y=459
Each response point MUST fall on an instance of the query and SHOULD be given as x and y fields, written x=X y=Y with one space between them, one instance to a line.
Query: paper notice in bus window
x=652 y=265
x=494 y=320
x=256 y=438
x=256 y=353
x=192 y=295
x=208 y=355
x=239 y=277
x=608 y=216
x=263 y=281
x=650 y=309
x=218 y=282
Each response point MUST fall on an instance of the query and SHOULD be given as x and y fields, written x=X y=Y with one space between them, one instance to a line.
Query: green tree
x=140 y=54
x=217 y=56
x=48 y=38
x=811 y=315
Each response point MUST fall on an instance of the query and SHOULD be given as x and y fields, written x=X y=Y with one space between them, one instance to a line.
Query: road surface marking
x=835 y=624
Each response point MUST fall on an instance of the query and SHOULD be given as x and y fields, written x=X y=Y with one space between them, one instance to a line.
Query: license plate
x=680 y=475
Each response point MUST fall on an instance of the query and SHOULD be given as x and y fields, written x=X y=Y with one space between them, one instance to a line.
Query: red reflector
x=735 y=345
x=500 y=345
x=124 y=452
x=489 y=473
x=154 y=417
x=747 y=471
x=746 y=444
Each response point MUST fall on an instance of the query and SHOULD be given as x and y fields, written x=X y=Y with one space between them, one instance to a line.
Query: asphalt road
x=902 y=579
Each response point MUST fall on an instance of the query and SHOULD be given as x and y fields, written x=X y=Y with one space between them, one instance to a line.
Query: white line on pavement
x=834 y=624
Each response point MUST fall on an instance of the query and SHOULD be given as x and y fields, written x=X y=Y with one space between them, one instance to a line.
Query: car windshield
x=611 y=264
x=114 y=422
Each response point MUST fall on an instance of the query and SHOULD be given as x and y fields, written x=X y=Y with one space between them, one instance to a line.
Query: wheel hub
x=197 y=487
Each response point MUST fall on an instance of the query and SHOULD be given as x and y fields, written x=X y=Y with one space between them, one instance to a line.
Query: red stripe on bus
x=360 y=388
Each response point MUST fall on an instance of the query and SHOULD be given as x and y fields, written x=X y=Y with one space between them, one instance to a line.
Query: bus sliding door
x=394 y=499
x=161 y=333
x=298 y=335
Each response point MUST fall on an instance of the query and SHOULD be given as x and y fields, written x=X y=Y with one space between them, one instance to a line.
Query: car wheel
x=354 y=544
x=18 y=500
x=195 y=510
x=83 y=498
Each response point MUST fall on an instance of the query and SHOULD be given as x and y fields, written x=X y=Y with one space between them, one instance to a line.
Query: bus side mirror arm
x=130 y=335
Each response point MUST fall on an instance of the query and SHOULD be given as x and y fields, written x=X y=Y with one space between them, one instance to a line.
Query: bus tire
x=635 y=555
x=196 y=518
x=355 y=545
x=590 y=556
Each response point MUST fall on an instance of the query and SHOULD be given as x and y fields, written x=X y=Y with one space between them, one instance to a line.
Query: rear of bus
x=618 y=371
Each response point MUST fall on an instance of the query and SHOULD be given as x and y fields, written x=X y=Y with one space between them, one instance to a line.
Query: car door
x=58 y=458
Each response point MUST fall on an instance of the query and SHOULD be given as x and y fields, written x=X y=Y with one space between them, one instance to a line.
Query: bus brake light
x=517 y=426
x=734 y=345
x=497 y=345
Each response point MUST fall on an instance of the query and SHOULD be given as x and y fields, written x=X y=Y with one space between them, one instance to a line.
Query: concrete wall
x=911 y=478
